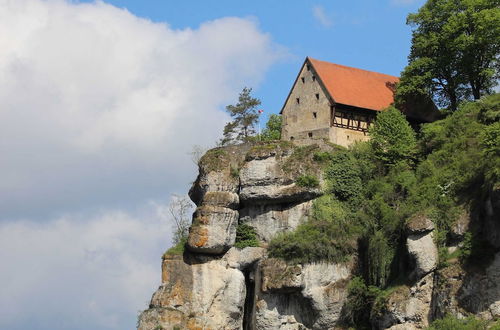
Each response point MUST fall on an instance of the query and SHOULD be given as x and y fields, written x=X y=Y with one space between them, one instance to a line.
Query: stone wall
x=310 y=116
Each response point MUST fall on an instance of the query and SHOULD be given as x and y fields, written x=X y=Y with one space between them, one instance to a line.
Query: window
x=303 y=79
x=291 y=138
x=314 y=78
x=308 y=67
x=315 y=115
x=298 y=100
x=317 y=96
x=310 y=134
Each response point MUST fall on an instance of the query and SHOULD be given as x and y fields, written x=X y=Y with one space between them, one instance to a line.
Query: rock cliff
x=215 y=285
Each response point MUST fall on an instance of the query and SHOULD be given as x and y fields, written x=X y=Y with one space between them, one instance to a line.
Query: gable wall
x=298 y=119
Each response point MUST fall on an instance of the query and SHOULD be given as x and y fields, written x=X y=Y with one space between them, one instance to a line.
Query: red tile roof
x=355 y=87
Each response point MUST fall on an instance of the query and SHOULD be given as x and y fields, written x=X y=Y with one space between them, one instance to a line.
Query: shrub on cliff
x=327 y=236
x=245 y=236
x=392 y=138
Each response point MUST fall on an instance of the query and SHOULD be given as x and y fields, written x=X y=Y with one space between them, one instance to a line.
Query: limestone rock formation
x=421 y=246
x=215 y=285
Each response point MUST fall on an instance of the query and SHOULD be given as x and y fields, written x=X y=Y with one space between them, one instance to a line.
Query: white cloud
x=98 y=111
x=74 y=274
x=321 y=16
x=97 y=105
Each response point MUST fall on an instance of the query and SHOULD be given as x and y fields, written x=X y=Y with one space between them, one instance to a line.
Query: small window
x=348 y=137
x=315 y=115
x=317 y=96
x=298 y=100
x=308 y=67
x=303 y=79
x=314 y=78
x=310 y=134
x=291 y=138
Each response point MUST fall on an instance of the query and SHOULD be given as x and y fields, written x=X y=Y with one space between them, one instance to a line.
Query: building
x=338 y=103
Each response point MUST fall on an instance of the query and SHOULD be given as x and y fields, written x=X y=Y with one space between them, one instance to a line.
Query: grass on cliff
x=451 y=165
x=177 y=249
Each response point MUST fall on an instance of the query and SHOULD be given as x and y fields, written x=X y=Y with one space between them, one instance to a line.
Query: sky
x=101 y=103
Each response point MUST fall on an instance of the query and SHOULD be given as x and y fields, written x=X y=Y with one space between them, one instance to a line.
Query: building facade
x=334 y=102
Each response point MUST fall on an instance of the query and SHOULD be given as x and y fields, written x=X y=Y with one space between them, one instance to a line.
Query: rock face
x=421 y=246
x=307 y=296
x=215 y=285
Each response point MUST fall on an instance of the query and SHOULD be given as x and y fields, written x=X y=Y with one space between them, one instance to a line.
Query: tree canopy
x=245 y=116
x=392 y=138
x=454 y=53
x=273 y=128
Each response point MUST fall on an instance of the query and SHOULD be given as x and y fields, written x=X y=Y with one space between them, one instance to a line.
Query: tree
x=392 y=138
x=454 y=53
x=273 y=128
x=180 y=211
x=244 y=115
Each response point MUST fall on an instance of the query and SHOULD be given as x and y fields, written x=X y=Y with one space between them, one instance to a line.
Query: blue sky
x=101 y=104
x=367 y=34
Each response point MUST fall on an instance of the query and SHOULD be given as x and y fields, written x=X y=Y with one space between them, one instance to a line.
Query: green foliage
x=309 y=181
x=177 y=249
x=245 y=116
x=326 y=236
x=372 y=193
x=343 y=175
x=380 y=256
x=392 y=138
x=245 y=236
x=454 y=53
x=452 y=323
x=273 y=129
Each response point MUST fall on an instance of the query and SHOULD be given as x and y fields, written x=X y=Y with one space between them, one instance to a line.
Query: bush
x=392 y=138
x=452 y=323
x=245 y=236
x=343 y=176
x=327 y=236
x=309 y=181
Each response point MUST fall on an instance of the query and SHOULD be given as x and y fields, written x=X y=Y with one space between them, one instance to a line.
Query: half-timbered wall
x=349 y=125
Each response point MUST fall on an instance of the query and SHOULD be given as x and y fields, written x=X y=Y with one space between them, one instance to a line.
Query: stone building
x=338 y=103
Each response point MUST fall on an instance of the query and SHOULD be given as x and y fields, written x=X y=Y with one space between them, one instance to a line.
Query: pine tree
x=245 y=116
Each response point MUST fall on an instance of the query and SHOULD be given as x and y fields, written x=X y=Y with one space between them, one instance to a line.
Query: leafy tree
x=273 y=128
x=245 y=115
x=454 y=53
x=392 y=138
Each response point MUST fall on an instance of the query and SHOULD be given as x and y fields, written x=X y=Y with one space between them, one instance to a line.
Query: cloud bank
x=98 y=110
x=73 y=273
x=98 y=104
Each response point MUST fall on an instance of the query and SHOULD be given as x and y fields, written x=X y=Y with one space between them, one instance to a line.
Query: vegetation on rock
x=245 y=236
x=372 y=190
x=272 y=131
x=245 y=116
x=309 y=181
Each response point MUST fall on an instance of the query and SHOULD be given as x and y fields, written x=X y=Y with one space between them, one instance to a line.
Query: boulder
x=408 y=307
x=307 y=296
x=421 y=246
x=213 y=230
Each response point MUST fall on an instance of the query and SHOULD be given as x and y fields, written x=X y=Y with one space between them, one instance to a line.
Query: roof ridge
x=350 y=67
